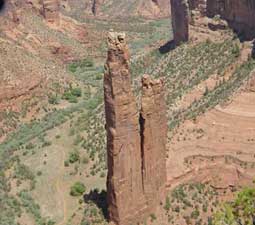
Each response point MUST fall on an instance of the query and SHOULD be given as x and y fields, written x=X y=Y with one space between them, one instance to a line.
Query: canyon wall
x=135 y=141
x=240 y=14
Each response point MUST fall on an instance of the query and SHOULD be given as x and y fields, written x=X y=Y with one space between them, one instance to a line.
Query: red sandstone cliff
x=239 y=14
x=136 y=151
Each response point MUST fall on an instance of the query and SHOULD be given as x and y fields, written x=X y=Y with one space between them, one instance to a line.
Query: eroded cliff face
x=199 y=5
x=51 y=10
x=153 y=133
x=240 y=14
x=136 y=163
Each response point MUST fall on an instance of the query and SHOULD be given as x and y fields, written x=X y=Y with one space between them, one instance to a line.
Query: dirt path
x=60 y=185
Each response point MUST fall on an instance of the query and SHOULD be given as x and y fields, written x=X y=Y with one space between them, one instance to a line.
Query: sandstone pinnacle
x=135 y=140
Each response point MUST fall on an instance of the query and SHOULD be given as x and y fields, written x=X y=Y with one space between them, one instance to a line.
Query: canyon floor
x=53 y=135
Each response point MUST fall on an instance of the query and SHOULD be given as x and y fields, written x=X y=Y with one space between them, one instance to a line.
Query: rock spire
x=51 y=10
x=136 y=141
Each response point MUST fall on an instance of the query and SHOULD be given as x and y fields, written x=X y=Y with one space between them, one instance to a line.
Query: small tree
x=168 y=204
x=77 y=189
x=74 y=156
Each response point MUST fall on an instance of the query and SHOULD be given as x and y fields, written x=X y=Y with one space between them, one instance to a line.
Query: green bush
x=86 y=63
x=77 y=189
x=72 y=94
x=167 y=204
x=236 y=50
x=74 y=156
x=76 y=92
x=53 y=99
x=30 y=146
x=73 y=67
x=80 y=64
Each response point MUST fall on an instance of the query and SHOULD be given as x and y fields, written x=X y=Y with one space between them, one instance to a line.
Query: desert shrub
x=76 y=92
x=53 y=99
x=74 y=156
x=70 y=97
x=85 y=160
x=73 y=67
x=46 y=143
x=23 y=172
x=236 y=50
x=72 y=94
x=77 y=189
x=167 y=204
x=39 y=173
x=30 y=146
x=66 y=163
x=86 y=63
x=195 y=214
x=153 y=217
x=102 y=174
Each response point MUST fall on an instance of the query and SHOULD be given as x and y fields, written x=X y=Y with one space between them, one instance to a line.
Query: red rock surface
x=154 y=133
x=50 y=10
x=136 y=163
x=239 y=14
x=124 y=186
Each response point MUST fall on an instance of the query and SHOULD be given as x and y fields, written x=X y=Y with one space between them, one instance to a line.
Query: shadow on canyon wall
x=2 y=5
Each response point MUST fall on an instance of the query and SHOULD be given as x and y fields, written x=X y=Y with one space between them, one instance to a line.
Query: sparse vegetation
x=239 y=211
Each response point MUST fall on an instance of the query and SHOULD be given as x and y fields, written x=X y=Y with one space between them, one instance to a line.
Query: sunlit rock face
x=136 y=141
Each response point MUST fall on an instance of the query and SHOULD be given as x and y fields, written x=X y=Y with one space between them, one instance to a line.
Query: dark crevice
x=142 y=122
x=94 y=7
